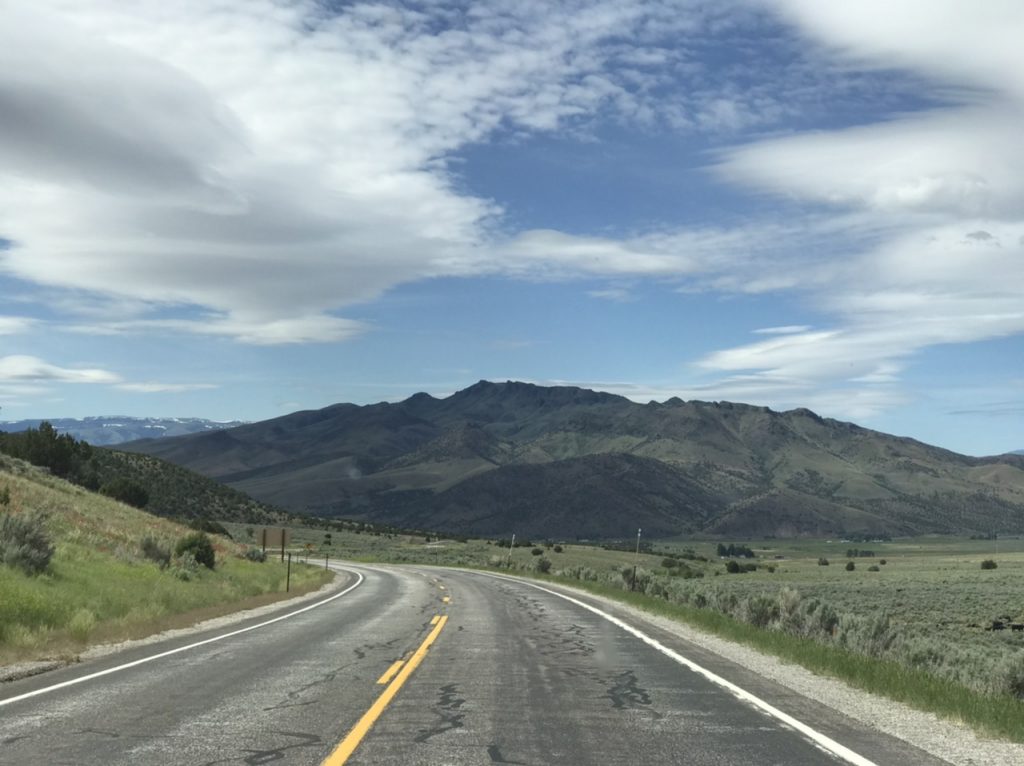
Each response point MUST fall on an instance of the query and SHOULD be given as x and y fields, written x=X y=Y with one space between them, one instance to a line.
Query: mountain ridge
x=111 y=430
x=501 y=457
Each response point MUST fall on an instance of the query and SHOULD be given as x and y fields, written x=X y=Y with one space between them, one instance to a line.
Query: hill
x=144 y=481
x=498 y=458
x=113 y=571
x=109 y=431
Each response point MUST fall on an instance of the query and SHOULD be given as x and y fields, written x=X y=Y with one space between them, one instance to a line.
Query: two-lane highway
x=429 y=666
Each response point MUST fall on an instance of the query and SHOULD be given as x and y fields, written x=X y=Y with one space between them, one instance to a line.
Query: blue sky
x=241 y=209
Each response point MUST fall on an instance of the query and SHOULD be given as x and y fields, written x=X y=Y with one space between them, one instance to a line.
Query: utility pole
x=636 y=560
x=511 y=545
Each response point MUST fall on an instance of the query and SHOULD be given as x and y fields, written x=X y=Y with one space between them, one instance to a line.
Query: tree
x=127 y=491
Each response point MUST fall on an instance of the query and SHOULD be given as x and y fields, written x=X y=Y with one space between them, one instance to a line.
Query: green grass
x=100 y=587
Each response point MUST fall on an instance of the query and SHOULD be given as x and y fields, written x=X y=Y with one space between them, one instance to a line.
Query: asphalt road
x=496 y=672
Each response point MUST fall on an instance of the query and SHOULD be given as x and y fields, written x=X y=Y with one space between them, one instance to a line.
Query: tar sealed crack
x=448 y=710
x=626 y=692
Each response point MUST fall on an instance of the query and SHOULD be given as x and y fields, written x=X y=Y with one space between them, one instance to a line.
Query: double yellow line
x=401 y=670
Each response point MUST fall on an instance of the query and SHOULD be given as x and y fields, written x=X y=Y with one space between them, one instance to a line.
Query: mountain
x=108 y=431
x=498 y=458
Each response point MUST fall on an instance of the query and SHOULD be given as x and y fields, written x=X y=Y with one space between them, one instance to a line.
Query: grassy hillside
x=178 y=493
x=100 y=585
x=498 y=458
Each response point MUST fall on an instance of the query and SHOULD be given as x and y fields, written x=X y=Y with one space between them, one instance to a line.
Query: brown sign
x=274 y=537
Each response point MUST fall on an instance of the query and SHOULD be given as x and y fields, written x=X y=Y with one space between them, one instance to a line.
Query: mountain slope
x=562 y=461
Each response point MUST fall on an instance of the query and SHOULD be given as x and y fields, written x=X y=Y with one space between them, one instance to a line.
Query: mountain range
x=565 y=462
x=109 y=431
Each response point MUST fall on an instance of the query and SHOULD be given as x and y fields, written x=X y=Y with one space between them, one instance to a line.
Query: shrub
x=127 y=491
x=154 y=551
x=5 y=496
x=557 y=549
x=823 y=562
x=24 y=543
x=988 y=564
x=212 y=527
x=874 y=568
x=199 y=546
x=256 y=554
x=81 y=624
x=732 y=566
x=537 y=551
x=760 y=610
x=185 y=566
x=850 y=566
x=882 y=562
x=542 y=565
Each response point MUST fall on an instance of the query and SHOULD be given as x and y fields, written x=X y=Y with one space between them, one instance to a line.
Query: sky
x=243 y=208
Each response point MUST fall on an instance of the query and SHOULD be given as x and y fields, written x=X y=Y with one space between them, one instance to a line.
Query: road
x=496 y=671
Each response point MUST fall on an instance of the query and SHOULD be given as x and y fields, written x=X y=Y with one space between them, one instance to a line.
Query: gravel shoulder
x=949 y=740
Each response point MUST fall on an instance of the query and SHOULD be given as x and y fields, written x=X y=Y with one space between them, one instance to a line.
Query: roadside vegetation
x=926 y=621
x=78 y=567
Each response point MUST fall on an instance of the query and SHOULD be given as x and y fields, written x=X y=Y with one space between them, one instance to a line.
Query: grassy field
x=913 y=630
x=99 y=586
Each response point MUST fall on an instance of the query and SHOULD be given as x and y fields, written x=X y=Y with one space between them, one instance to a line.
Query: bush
x=874 y=568
x=256 y=554
x=850 y=566
x=5 y=496
x=212 y=527
x=542 y=565
x=823 y=562
x=127 y=491
x=988 y=564
x=199 y=546
x=154 y=551
x=24 y=543
x=537 y=551
x=81 y=625
x=557 y=549
x=882 y=562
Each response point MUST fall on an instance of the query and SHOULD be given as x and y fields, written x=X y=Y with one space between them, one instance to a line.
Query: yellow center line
x=447 y=599
x=434 y=619
x=348 y=745
x=390 y=672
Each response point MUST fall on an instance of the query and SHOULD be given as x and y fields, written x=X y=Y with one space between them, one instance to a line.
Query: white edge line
x=142 y=661
x=819 y=739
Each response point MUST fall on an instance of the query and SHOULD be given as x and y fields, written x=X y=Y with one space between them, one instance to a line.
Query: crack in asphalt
x=447 y=711
x=626 y=692
x=496 y=757
x=257 y=757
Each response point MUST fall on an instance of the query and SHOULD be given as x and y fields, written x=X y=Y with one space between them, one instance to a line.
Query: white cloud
x=12 y=325
x=24 y=369
x=945 y=185
x=614 y=294
x=153 y=387
x=271 y=162
x=788 y=329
